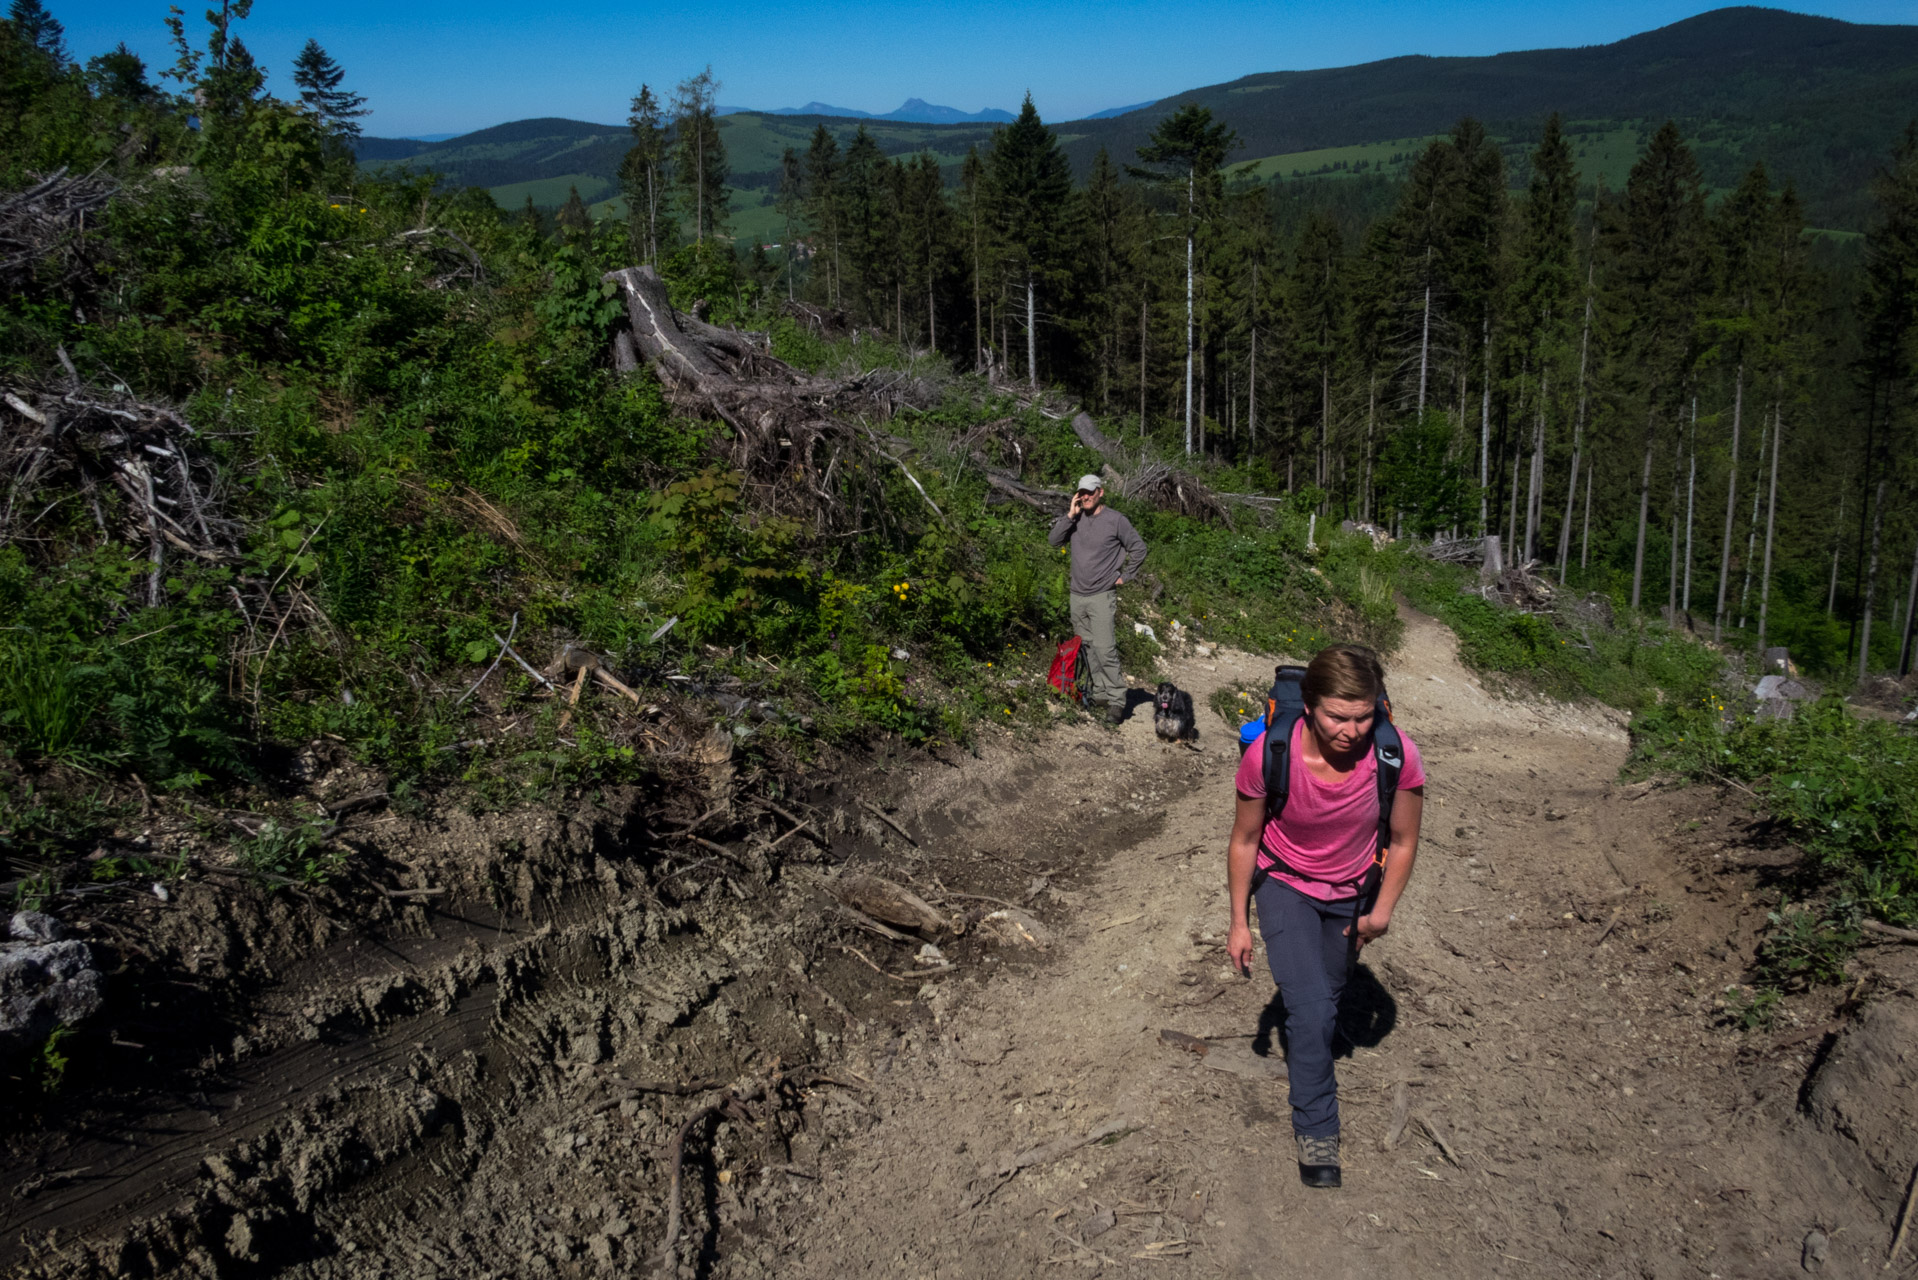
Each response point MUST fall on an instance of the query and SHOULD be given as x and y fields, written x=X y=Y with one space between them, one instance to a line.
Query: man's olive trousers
x=1093 y=617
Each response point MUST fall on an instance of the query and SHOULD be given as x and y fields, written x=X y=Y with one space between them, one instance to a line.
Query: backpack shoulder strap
x=1388 y=749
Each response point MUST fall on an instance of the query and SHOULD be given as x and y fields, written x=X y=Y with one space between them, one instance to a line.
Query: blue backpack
x=1284 y=708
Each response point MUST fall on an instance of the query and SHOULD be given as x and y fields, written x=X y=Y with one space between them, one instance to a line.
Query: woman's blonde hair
x=1343 y=671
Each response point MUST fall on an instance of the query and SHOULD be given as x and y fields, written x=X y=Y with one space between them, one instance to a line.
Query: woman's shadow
x=1367 y=1014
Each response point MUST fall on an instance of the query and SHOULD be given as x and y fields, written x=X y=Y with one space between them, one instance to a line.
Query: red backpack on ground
x=1068 y=674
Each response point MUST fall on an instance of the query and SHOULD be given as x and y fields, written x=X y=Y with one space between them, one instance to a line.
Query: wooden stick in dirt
x=413 y=893
x=1401 y=1113
x=855 y=951
x=881 y=814
x=1047 y=1154
x=679 y=1166
x=719 y=849
x=1610 y=925
x=1888 y=931
x=1904 y=1220
x=1438 y=1140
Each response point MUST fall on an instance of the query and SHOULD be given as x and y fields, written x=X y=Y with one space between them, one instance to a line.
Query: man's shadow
x=1367 y=1014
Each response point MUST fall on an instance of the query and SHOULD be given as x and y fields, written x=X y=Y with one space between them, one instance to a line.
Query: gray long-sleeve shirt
x=1105 y=547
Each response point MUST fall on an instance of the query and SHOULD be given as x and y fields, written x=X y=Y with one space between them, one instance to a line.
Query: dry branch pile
x=136 y=466
x=42 y=230
x=1170 y=489
x=802 y=442
x=1447 y=550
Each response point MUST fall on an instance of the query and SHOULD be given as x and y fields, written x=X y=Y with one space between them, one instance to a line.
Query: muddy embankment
x=267 y=1055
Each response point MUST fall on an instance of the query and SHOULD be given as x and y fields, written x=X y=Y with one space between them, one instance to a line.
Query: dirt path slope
x=1539 y=1079
x=1544 y=1007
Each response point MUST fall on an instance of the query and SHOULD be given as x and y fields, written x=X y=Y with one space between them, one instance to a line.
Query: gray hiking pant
x=1093 y=618
x=1311 y=956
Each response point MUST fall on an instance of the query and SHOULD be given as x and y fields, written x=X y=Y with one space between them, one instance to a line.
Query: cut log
x=893 y=903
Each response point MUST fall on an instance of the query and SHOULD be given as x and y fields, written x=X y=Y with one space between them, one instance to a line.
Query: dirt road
x=1544 y=1006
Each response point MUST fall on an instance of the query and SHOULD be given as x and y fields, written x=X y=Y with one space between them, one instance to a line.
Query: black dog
x=1172 y=716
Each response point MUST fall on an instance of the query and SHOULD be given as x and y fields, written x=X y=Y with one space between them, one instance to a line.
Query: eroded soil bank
x=1538 y=1079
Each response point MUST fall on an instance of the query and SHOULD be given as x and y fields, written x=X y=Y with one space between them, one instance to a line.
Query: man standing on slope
x=1106 y=550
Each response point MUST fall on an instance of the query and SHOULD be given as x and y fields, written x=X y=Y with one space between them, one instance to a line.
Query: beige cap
x=1090 y=481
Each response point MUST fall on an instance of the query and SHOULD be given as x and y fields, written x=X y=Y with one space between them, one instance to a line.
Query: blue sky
x=433 y=66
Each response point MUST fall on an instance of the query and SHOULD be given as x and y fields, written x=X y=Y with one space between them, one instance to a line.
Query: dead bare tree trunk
x=1771 y=526
x=1644 y=507
x=1485 y=427
x=1535 y=479
x=1731 y=505
x=1691 y=491
x=1032 y=335
x=1578 y=430
x=1871 y=580
x=1585 y=547
x=1751 y=537
x=1911 y=602
x=1425 y=335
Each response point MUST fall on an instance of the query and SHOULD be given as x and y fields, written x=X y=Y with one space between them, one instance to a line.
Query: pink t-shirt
x=1327 y=830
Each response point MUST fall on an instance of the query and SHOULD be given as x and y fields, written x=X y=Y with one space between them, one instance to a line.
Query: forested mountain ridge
x=1817 y=99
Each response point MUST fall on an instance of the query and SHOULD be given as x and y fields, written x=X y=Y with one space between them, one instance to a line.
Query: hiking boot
x=1318 y=1160
x=1115 y=714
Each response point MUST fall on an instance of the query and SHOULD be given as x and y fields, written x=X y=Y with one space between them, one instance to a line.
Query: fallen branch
x=1888 y=931
x=413 y=893
x=1438 y=1140
x=732 y=1103
x=909 y=979
x=1904 y=1220
x=881 y=814
x=1048 y=1153
x=799 y=825
x=871 y=925
x=1611 y=924
x=612 y=682
x=524 y=665
x=719 y=849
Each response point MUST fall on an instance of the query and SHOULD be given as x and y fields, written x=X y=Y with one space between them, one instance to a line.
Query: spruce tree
x=823 y=167
x=1738 y=230
x=1185 y=152
x=120 y=74
x=1031 y=193
x=318 y=78
x=41 y=31
x=868 y=226
x=1889 y=310
x=791 y=203
x=973 y=203
x=699 y=162
x=1544 y=289
x=1656 y=243
x=1315 y=297
x=574 y=221
x=642 y=175
x=926 y=232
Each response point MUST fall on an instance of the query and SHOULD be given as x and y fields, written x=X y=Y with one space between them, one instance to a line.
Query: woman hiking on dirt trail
x=1314 y=869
